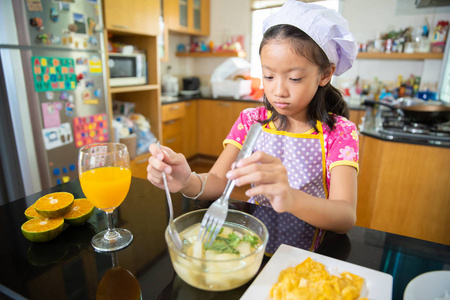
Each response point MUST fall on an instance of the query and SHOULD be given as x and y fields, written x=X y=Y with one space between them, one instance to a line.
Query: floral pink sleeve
x=342 y=145
x=240 y=128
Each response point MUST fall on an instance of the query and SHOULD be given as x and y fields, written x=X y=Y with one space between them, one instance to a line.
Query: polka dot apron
x=304 y=158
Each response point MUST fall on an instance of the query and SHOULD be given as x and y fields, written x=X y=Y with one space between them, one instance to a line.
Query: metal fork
x=172 y=230
x=216 y=214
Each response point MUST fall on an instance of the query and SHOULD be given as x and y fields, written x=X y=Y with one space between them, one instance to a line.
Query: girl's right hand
x=173 y=164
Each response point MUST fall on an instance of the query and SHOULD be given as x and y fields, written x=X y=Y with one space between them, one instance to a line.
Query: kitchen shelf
x=211 y=54
x=134 y=88
x=405 y=56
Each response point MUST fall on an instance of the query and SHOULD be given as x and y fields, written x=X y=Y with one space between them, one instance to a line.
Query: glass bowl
x=218 y=273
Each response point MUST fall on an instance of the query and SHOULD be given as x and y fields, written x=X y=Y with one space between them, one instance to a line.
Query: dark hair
x=327 y=98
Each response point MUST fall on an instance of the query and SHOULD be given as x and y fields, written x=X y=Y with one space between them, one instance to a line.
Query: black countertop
x=69 y=268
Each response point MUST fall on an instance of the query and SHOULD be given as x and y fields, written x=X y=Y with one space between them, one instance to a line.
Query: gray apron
x=303 y=155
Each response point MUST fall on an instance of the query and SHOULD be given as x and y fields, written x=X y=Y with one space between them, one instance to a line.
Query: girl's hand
x=173 y=164
x=269 y=177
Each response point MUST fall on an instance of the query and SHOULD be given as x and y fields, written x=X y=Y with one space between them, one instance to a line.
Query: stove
x=400 y=129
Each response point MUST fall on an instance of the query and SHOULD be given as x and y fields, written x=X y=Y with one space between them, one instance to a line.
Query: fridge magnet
x=53 y=73
x=34 y=5
x=54 y=15
x=80 y=21
x=50 y=114
x=98 y=93
x=93 y=41
x=69 y=109
x=90 y=129
x=64 y=6
x=95 y=65
x=49 y=95
x=89 y=83
x=57 y=136
x=63 y=95
x=81 y=61
x=91 y=26
x=37 y=23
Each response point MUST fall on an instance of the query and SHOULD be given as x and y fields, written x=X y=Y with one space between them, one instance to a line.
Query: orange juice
x=106 y=187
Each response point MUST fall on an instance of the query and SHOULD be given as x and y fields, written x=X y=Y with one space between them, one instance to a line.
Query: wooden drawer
x=173 y=111
x=139 y=166
x=172 y=128
x=174 y=143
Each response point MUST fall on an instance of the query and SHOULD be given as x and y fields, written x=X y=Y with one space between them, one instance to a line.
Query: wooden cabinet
x=356 y=116
x=189 y=129
x=136 y=17
x=187 y=16
x=137 y=23
x=172 y=123
x=216 y=117
x=403 y=189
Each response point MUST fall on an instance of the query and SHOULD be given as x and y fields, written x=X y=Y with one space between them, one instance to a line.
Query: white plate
x=379 y=284
x=430 y=285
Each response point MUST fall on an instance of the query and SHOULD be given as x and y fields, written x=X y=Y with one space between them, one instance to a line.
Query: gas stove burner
x=417 y=128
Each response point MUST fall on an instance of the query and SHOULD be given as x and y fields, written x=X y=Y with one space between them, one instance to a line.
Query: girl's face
x=290 y=81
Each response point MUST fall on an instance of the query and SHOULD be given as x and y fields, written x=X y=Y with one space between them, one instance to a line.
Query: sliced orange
x=42 y=229
x=31 y=213
x=82 y=209
x=54 y=205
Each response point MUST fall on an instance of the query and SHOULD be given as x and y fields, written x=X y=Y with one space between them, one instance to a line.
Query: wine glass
x=105 y=177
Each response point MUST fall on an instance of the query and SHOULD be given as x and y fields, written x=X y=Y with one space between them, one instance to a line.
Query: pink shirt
x=341 y=143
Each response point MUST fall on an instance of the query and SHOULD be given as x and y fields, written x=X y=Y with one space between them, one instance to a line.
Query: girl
x=306 y=160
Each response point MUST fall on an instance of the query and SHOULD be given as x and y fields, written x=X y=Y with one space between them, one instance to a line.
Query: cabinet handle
x=175 y=107
x=141 y=161
x=170 y=141
x=225 y=104
x=188 y=104
x=120 y=26
x=169 y=122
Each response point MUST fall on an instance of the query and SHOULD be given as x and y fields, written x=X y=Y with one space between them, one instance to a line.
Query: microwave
x=127 y=69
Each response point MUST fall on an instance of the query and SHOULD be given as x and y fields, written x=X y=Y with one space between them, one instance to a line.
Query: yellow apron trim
x=345 y=163
x=289 y=134
x=233 y=142
x=324 y=166
x=314 y=239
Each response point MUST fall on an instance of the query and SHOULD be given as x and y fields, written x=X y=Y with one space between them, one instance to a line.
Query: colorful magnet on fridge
x=98 y=93
x=54 y=15
x=73 y=27
x=63 y=95
x=49 y=95
x=37 y=23
x=89 y=83
x=54 y=39
x=93 y=41
x=69 y=109
x=70 y=98
x=42 y=38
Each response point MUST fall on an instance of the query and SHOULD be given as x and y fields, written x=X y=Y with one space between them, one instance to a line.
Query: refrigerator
x=53 y=91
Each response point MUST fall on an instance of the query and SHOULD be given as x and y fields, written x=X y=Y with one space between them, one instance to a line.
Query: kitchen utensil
x=217 y=212
x=424 y=112
x=171 y=228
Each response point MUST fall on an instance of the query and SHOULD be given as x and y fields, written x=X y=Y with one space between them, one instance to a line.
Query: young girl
x=305 y=162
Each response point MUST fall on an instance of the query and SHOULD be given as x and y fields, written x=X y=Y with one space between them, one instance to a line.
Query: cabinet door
x=215 y=121
x=187 y=16
x=189 y=130
x=138 y=16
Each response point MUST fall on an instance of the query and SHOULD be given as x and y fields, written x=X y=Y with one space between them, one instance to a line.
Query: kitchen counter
x=69 y=268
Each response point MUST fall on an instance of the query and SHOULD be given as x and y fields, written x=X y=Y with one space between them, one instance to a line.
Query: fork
x=172 y=230
x=216 y=214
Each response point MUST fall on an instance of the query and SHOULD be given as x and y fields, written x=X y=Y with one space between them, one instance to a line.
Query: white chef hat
x=325 y=26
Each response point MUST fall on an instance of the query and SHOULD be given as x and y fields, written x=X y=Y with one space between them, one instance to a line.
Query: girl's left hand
x=269 y=176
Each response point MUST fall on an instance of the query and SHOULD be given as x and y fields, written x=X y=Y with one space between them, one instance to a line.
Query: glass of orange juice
x=105 y=177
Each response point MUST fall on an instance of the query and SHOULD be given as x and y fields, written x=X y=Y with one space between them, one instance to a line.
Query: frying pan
x=418 y=111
